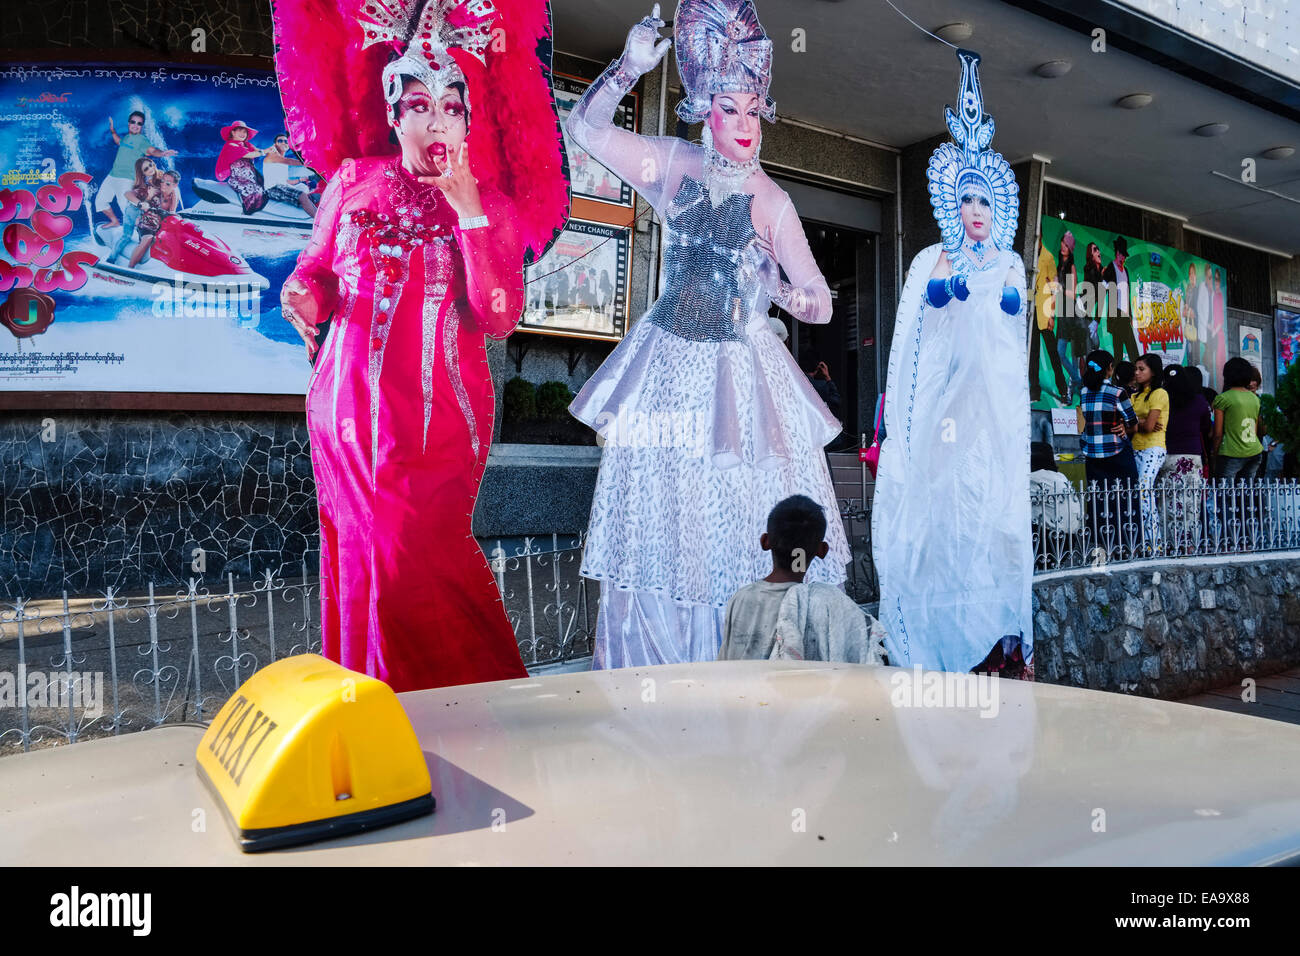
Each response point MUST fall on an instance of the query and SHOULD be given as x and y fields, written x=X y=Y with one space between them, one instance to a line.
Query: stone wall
x=123 y=498
x=1168 y=630
x=120 y=499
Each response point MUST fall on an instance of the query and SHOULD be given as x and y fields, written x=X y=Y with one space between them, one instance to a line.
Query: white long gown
x=951 y=515
x=708 y=420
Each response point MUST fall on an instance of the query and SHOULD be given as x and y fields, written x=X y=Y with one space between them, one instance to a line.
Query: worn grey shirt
x=789 y=621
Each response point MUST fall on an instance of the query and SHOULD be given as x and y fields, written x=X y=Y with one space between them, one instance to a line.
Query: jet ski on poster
x=180 y=252
x=219 y=203
x=149 y=215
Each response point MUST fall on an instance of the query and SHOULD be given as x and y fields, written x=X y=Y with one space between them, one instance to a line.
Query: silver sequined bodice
x=703 y=300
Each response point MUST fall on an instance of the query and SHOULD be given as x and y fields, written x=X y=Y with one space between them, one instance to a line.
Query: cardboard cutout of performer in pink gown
x=416 y=255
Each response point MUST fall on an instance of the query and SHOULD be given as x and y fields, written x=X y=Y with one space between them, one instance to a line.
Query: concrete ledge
x=1171 y=629
x=505 y=456
x=536 y=489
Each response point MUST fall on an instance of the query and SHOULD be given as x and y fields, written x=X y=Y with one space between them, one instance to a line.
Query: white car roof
x=727 y=763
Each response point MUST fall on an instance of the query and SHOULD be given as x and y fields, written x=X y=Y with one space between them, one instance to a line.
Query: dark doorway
x=847 y=258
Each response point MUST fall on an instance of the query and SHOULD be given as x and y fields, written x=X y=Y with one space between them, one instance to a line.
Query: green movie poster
x=1094 y=289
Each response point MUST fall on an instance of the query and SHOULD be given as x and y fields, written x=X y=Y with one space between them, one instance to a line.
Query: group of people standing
x=591 y=288
x=146 y=193
x=1162 y=427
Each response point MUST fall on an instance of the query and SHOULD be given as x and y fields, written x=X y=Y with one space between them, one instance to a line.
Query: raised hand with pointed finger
x=645 y=48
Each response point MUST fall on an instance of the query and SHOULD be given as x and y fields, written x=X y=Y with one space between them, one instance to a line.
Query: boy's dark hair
x=1238 y=373
x=133 y=114
x=797 y=523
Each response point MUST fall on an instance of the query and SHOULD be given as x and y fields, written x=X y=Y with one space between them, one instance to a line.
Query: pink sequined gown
x=399 y=411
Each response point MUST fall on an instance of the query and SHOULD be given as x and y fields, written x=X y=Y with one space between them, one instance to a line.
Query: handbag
x=872 y=455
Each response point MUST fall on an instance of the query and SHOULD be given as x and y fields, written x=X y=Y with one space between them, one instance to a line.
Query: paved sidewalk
x=1276 y=698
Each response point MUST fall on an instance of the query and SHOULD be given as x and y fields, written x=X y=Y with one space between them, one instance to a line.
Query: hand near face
x=458 y=184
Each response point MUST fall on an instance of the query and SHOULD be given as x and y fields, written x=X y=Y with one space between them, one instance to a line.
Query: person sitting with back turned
x=1056 y=508
x=781 y=617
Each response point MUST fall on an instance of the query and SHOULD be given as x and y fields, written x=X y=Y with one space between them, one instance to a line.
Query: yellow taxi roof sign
x=307 y=749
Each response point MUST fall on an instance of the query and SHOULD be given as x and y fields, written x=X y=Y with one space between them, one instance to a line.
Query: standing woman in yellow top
x=1151 y=403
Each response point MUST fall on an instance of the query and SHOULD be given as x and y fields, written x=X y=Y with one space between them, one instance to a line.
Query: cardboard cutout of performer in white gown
x=708 y=421
x=951 y=517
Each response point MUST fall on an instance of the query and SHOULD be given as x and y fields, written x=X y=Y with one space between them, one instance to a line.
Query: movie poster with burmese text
x=1094 y=289
x=131 y=261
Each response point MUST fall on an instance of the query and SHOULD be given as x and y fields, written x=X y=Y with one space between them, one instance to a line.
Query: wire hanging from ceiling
x=918 y=26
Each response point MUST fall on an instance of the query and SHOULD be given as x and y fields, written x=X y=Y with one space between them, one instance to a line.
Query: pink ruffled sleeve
x=494 y=275
x=315 y=267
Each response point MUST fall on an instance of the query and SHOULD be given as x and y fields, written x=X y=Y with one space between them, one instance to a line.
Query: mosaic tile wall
x=123 y=499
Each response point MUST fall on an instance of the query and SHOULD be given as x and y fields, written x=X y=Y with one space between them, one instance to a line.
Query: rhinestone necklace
x=723 y=176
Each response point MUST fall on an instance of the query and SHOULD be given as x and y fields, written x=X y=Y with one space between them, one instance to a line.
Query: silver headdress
x=970 y=168
x=721 y=48
x=422 y=31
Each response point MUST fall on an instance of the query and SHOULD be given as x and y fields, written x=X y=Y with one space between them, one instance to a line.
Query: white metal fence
x=1179 y=517
x=81 y=667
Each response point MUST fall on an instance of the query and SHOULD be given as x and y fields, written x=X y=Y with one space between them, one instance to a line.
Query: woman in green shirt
x=1236 y=422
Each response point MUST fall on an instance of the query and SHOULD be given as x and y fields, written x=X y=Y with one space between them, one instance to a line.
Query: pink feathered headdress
x=332 y=88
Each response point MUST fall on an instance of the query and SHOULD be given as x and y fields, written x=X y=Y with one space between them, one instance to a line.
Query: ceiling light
x=1134 y=101
x=1053 y=69
x=958 y=32
x=1278 y=152
x=1211 y=129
